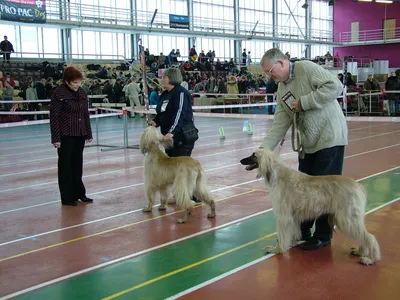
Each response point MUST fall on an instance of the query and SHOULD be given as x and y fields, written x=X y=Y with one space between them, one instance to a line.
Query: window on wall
x=287 y=24
x=29 y=41
x=321 y=27
x=251 y=11
x=146 y=8
x=257 y=49
x=208 y=16
x=100 y=45
x=295 y=50
x=224 y=49
x=165 y=44
x=321 y=21
x=53 y=10
x=320 y=50
x=99 y=11
x=50 y=44
x=12 y=32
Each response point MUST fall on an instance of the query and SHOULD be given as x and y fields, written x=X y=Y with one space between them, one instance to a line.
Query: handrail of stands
x=385 y=35
x=65 y=57
x=86 y=13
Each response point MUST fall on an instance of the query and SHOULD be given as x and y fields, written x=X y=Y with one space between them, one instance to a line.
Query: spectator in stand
x=271 y=88
x=371 y=84
x=232 y=87
x=154 y=96
x=392 y=84
x=193 y=53
x=70 y=128
x=244 y=57
x=6 y=48
x=161 y=61
x=171 y=57
x=8 y=79
x=249 y=58
x=8 y=95
x=31 y=94
x=132 y=93
x=49 y=86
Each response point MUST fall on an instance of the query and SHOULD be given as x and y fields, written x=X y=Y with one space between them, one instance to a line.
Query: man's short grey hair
x=174 y=75
x=272 y=55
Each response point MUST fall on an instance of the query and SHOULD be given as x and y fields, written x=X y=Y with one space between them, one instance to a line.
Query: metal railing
x=78 y=57
x=374 y=35
x=92 y=14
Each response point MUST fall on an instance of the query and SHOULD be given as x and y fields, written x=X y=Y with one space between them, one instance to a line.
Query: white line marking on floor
x=110 y=217
x=238 y=269
x=27 y=290
x=124 y=187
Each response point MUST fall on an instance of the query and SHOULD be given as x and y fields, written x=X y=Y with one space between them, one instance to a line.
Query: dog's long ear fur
x=150 y=137
x=266 y=163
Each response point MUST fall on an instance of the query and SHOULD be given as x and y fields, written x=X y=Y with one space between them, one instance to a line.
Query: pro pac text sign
x=176 y=21
x=28 y=11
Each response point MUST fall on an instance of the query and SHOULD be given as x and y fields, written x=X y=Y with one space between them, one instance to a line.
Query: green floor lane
x=170 y=270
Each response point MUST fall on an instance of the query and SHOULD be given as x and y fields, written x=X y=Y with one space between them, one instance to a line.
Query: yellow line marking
x=188 y=267
x=110 y=230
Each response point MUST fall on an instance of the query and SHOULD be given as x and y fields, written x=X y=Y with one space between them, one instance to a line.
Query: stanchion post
x=97 y=126
x=125 y=127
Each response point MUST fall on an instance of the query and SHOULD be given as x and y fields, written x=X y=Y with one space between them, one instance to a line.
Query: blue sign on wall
x=180 y=22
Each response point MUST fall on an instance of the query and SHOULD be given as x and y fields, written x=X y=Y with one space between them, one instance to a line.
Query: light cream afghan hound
x=298 y=197
x=184 y=173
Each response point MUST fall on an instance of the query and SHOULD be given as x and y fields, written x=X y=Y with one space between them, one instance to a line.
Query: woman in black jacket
x=70 y=128
x=174 y=111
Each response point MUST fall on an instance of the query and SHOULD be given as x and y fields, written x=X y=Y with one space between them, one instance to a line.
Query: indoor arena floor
x=111 y=249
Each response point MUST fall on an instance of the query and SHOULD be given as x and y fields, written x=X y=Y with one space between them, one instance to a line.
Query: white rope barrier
x=37 y=112
x=35 y=122
x=49 y=100
x=25 y=101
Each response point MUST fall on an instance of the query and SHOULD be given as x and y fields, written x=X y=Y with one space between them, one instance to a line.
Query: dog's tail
x=202 y=192
x=183 y=187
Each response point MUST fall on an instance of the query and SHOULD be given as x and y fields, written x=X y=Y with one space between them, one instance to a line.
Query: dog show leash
x=297 y=141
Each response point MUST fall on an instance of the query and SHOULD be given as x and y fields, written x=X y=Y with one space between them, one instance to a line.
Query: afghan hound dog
x=298 y=197
x=184 y=173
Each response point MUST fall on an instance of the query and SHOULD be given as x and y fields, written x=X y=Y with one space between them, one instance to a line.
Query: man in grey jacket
x=319 y=129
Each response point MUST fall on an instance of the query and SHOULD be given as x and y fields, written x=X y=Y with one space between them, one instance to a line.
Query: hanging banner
x=27 y=11
x=180 y=22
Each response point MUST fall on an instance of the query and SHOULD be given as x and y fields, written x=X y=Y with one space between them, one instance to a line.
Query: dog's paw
x=162 y=207
x=272 y=249
x=146 y=209
x=181 y=221
x=211 y=215
x=355 y=251
x=366 y=261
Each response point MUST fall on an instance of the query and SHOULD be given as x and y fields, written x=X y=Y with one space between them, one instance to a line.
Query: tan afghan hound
x=184 y=173
x=298 y=197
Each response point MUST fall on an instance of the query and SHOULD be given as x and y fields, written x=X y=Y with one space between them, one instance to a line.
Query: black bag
x=190 y=133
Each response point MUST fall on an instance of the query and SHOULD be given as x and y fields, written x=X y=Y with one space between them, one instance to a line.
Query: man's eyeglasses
x=270 y=71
